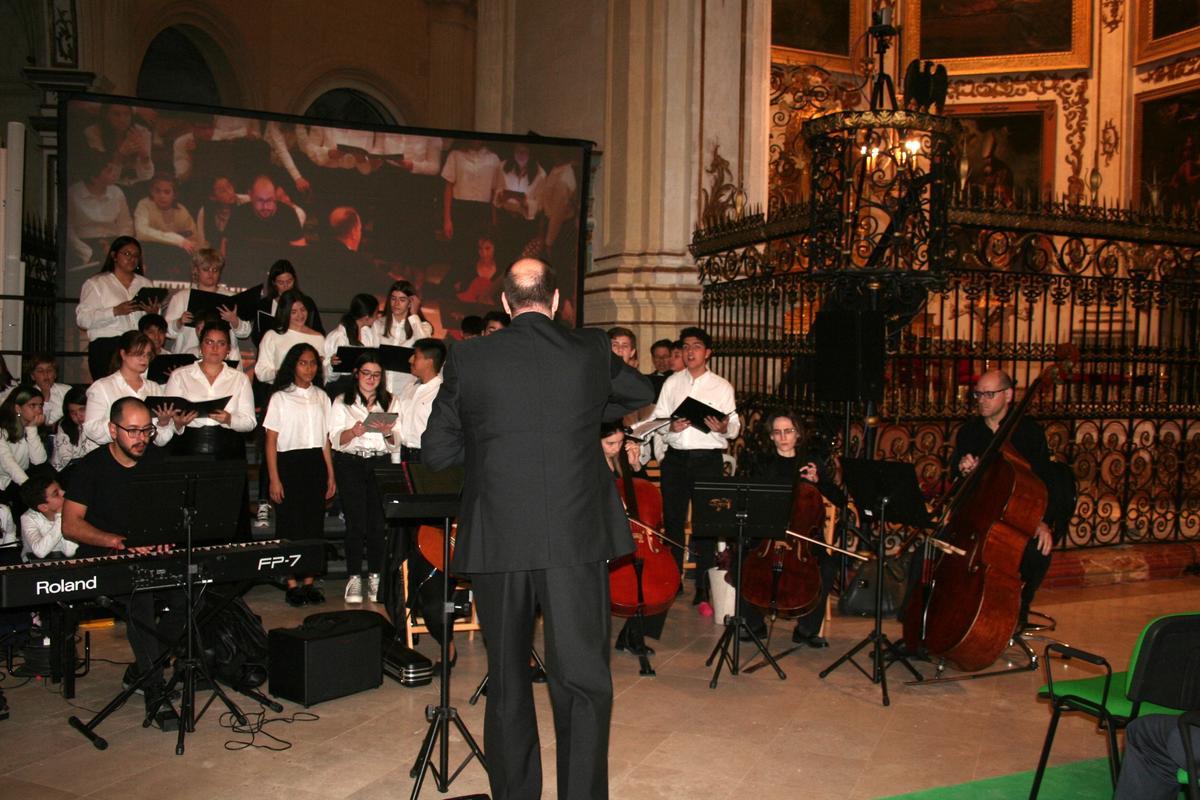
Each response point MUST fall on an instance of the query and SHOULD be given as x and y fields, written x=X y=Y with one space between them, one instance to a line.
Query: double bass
x=965 y=607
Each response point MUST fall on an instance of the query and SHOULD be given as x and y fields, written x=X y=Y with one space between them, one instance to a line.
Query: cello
x=965 y=607
x=646 y=581
x=782 y=576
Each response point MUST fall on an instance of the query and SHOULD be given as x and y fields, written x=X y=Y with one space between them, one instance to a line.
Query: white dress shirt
x=710 y=389
x=53 y=407
x=41 y=536
x=108 y=390
x=64 y=451
x=396 y=381
x=299 y=416
x=416 y=401
x=184 y=336
x=474 y=174
x=99 y=294
x=343 y=417
x=8 y=528
x=16 y=457
x=274 y=348
x=191 y=383
x=339 y=338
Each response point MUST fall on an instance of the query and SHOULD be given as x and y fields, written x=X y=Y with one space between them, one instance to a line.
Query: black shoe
x=312 y=595
x=295 y=596
x=702 y=594
x=160 y=714
x=131 y=677
x=810 y=639
x=760 y=631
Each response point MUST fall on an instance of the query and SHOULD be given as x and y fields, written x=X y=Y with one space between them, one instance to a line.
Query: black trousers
x=681 y=469
x=575 y=606
x=363 y=508
x=155 y=620
x=301 y=515
x=1153 y=754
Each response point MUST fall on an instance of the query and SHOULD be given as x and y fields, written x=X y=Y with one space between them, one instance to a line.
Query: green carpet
x=1080 y=780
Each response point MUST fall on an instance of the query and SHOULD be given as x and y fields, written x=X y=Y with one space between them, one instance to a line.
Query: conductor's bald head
x=529 y=286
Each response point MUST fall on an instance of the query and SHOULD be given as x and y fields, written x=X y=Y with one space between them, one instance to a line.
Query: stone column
x=451 y=63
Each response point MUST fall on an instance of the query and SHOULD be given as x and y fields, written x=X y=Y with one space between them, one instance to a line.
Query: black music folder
x=245 y=303
x=148 y=295
x=162 y=366
x=202 y=407
x=391 y=357
x=694 y=412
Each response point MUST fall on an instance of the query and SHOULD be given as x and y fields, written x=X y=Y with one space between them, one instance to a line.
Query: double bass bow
x=965 y=607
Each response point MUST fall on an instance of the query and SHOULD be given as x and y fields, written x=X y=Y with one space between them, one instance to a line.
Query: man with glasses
x=993 y=394
x=96 y=514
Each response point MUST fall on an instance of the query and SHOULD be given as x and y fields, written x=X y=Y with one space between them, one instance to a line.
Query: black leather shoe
x=295 y=596
x=812 y=640
x=312 y=595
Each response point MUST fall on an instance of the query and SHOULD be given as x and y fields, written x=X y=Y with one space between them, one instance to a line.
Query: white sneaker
x=373 y=587
x=263 y=519
x=354 y=589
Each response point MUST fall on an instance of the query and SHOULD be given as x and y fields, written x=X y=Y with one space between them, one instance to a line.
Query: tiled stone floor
x=754 y=736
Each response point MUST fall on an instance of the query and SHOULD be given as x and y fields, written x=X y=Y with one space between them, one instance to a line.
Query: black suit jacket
x=521 y=410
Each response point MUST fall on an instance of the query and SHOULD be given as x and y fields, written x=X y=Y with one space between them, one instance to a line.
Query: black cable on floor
x=256 y=726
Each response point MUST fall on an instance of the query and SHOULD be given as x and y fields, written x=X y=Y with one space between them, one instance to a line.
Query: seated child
x=41 y=525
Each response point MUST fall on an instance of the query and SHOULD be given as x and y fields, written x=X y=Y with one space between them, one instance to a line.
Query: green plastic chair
x=1161 y=680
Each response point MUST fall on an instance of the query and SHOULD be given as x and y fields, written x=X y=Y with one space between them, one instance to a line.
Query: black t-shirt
x=1028 y=439
x=783 y=469
x=101 y=484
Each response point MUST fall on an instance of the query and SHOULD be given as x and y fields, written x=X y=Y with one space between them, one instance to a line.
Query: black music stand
x=885 y=491
x=412 y=492
x=754 y=509
x=182 y=501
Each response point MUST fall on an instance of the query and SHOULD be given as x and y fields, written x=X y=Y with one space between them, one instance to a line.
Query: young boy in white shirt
x=41 y=525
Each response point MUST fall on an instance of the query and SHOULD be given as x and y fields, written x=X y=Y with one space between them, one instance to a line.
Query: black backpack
x=235 y=645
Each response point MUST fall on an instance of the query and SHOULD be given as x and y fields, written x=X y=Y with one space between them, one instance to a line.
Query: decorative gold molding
x=1179 y=68
x=1080 y=54
x=830 y=61
x=1072 y=97
x=1110 y=141
x=1146 y=48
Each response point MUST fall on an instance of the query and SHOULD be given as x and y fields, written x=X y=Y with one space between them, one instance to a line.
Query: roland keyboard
x=116 y=575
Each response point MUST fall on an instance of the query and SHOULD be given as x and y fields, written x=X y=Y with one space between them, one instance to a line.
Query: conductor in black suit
x=540 y=517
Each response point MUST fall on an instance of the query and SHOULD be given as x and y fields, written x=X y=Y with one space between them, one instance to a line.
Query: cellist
x=993 y=393
x=787 y=460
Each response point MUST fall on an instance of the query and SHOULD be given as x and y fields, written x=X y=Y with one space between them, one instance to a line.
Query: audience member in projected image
x=294 y=316
x=515 y=198
x=260 y=231
x=471 y=174
x=408 y=197
x=216 y=211
x=97 y=211
x=485 y=286
x=166 y=230
x=207 y=265
x=355 y=329
x=401 y=324
x=340 y=163
x=107 y=307
x=338 y=255
x=125 y=142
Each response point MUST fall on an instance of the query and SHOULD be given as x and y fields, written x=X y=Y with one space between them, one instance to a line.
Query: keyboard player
x=97 y=510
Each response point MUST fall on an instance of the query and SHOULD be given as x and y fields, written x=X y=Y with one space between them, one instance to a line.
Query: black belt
x=361 y=453
x=410 y=454
x=213 y=440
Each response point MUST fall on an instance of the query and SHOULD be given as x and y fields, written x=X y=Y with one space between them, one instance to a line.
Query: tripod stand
x=432 y=494
x=752 y=507
x=876 y=486
x=173 y=498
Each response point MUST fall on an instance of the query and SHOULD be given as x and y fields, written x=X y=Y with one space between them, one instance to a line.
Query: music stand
x=181 y=502
x=410 y=492
x=885 y=491
x=754 y=509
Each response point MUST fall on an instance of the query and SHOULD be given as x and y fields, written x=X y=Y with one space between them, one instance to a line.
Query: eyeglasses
x=149 y=432
x=981 y=395
x=363 y=373
x=783 y=432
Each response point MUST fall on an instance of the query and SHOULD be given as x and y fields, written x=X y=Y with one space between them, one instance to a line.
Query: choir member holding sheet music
x=294 y=318
x=362 y=432
x=128 y=380
x=186 y=305
x=112 y=301
x=356 y=329
x=401 y=325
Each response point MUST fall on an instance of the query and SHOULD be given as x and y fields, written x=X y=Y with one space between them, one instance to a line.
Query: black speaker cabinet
x=849 y=355
x=330 y=655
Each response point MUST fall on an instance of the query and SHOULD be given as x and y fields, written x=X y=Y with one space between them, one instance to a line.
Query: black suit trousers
x=575 y=606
